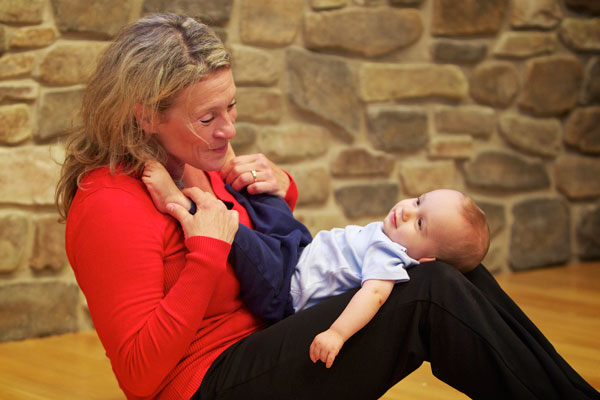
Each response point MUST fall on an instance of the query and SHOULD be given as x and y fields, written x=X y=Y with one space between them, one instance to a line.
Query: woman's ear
x=144 y=119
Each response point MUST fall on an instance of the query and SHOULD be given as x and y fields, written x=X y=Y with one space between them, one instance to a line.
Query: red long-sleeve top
x=164 y=307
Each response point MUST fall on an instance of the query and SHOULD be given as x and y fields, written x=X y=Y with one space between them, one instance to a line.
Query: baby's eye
x=420 y=223
x=229 y=107
x=418 y=201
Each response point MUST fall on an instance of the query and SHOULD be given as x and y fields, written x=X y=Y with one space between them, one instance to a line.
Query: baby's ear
x=426 y=259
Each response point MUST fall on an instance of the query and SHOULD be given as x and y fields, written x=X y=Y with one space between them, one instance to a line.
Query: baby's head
x=443 y=224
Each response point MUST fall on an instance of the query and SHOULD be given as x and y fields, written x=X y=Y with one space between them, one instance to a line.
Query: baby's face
x=421 y=223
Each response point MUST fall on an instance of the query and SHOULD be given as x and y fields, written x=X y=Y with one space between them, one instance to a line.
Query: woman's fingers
x=256 y=173
x=212 y=218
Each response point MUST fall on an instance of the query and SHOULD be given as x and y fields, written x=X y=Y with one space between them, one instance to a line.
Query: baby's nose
x=407 y=212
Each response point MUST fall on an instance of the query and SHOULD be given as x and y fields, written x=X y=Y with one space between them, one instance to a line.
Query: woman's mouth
x=220 y=150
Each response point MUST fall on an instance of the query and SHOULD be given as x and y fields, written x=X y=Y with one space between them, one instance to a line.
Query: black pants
x=475 y=337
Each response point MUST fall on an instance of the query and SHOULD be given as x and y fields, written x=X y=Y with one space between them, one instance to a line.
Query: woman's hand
x=266 y=178
x=212 y=218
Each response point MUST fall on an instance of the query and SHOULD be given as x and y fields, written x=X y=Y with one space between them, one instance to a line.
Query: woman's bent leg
x=438 y=316
x=561 y=372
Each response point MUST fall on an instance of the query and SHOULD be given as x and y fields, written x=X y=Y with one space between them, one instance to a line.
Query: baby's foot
x=162 y=188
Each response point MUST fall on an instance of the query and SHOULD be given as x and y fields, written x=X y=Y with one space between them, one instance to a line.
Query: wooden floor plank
x=563 y=302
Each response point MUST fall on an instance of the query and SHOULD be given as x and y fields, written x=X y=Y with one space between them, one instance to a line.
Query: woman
x=166 y=304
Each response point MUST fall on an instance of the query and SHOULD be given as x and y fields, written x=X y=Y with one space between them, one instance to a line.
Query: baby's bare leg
x=162 y=188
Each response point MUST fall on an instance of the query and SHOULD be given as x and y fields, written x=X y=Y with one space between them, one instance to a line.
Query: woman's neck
x=175 y=169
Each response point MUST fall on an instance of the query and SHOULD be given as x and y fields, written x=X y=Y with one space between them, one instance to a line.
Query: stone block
x=537 y=14
x=385 y=82
x=397 y=128
x=591 y=82
x=246 y=135
x=584 y=6
x=14 y=233
x=588 y=234
x=477 y=121
x=319 y=221
x=455 y=147
x=211 y=12
x=49 y=244
x=24 y=12
x=361 y=162
x=2 y=40
x=420 y=177
x=371 y=32
x=552 y=85
x=532 y=135
x=581 y=34
x=405 y=3
x=495 y=83
x=262 y=105
x=15 y=65
x=25 y=89
x=293 y=142
x=372 y=200
x=33 y=36
x=270 y=22
x=324 y=86
x=495 y=259
x=319 y=5
x=582 y=129
x=502 y=170
x=37 y=308
x=526 y=44
x=29 y=174
x=577 y=176
x=314 y=185
x=458 y=51
x=15 y=123
x=540 y=234
x=103 y=18
x=58 y=108
x=70 y=63
x=253 y=67
x=467 y=17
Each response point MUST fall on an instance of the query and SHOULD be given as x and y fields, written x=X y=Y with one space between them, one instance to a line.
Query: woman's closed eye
x=208 y=118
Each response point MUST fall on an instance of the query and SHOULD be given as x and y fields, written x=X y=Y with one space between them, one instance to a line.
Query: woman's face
x=197 y=128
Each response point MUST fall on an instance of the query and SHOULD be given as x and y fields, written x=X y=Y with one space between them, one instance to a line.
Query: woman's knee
x=437 y=280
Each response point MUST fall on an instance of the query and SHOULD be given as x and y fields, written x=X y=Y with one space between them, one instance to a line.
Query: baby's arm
x=362 y=308
x=162 y=188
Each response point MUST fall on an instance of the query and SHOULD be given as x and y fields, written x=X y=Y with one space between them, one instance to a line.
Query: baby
x=443 y=224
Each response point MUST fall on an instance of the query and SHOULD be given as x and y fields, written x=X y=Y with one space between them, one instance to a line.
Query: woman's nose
x=226 y=129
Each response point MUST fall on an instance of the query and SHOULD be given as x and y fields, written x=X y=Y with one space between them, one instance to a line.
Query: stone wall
x=363 y=101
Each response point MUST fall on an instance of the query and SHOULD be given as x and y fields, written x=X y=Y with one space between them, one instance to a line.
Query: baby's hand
x=325 y=347
x=162 y=188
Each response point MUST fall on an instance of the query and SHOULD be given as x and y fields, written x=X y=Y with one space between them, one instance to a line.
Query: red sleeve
x=116 y=242
x=291 y=196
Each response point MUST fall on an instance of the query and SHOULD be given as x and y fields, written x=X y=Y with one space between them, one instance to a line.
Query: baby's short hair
x=466 y=251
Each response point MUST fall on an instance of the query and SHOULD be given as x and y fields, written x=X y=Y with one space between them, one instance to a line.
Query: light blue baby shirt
x=342 y=259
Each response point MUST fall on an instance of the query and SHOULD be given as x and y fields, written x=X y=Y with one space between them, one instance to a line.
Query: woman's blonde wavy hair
x=148 y=64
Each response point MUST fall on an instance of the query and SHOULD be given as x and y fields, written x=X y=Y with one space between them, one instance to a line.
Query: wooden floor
x=564 y=303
